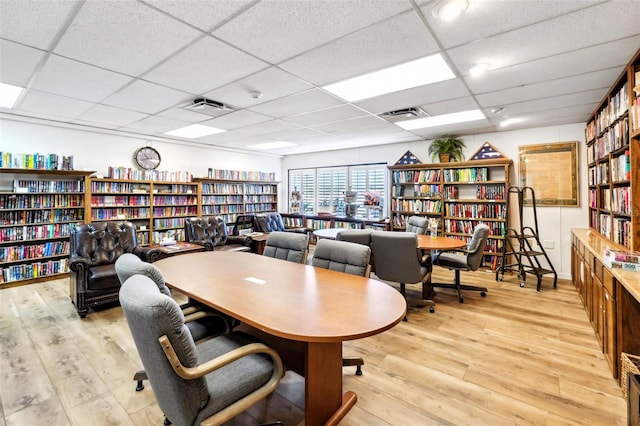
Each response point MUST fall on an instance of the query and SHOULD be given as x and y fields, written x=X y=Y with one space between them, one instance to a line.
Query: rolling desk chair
x=290 y=246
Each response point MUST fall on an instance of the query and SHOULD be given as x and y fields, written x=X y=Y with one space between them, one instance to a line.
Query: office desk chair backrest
x=342 y=256
x=417 y=225
x=396 y=256
x=359 y=236
x=129 y=265
x=194 y=384
x=290 y=246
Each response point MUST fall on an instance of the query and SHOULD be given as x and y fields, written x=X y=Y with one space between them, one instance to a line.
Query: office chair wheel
x=432 y=309
x=358 y=370
x=483 y=293
x=166 y=422
x=139 y=386
x=522 y=284
x=460 y=299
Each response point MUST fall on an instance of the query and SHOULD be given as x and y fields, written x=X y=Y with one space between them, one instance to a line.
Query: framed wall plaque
x=552 y=171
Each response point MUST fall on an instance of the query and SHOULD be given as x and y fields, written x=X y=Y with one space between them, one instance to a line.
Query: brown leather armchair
x=211 y=232
x=272 y=222
x=94 y=249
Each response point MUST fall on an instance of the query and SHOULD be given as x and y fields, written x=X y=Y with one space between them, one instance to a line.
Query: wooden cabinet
x=157 y=209
x=38 y=208
x=458 y=195
x=609 y=320
x=229 y=198
x=613 y=160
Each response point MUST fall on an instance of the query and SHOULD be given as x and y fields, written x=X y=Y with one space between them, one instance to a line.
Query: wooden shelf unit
x=459 y=195
x=612 y=137
x=157 y=208
x=229 y=198
x=38 y=208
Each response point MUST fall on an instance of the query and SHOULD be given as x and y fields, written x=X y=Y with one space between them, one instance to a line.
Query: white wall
x=554 y=223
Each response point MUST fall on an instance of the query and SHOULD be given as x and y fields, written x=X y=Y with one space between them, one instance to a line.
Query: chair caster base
x=166 y=422
x=358 y=371
x=432 y=309
x=139 y=386
x=522 y=285
x=483 y=293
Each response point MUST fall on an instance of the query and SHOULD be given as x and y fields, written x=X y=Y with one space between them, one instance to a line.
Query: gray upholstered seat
x=467 y=259
x=417 y=225
x=358 y=236
x=347 y=257
x=291 y=246
x=213 y=381
x=397 y=259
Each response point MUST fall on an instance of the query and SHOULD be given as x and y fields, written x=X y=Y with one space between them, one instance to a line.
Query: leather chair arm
x=78 y=264
x=207 y=244
x=239 y=239
x=147 y=254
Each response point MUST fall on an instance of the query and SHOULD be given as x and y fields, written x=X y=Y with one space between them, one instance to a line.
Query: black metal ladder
x=524 y=245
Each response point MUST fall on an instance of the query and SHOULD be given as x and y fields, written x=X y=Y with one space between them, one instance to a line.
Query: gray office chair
x=343 y=256
x=211 y=382
x=358 y=236
x=397 y=259
x=417 y=225
x=202 y=322
x=469 y=260
x=291 y=246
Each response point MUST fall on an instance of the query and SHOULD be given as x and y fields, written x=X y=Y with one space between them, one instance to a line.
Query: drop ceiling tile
x=184 y=115
x=54 y=105
x=295 y=135
x=391 y=42
x=199 y=68
x=450 y=89
x=34 y=22
x=310 y=100
x=155 y=125
x=555 y=102
x=447 y=107
x=123 y=36
x=340 y=112
x=352 y=124
x=565 y=33
x=237 y=119
x=272 y=83
x=490 y=17
x=568 y=85
x=204 y=14
x=146 y=97
x=457 y=128
x=590 y=59
x=276 y=30
x=111 y=115
x=18 y=63
x=76 y=80
x=269 y=127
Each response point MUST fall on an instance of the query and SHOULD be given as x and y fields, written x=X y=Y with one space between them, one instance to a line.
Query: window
x=322 y=190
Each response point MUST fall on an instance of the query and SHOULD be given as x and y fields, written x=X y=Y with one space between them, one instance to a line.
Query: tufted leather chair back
x=102 y=243
x=207 y=230
x=270 y=222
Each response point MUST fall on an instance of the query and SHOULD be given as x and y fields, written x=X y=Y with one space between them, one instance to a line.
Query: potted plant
x=447 y=148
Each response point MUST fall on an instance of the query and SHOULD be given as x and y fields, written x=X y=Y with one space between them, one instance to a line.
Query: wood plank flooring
x=516 y=357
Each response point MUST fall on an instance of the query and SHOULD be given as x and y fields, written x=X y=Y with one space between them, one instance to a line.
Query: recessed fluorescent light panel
x=271 y=145
x=428 y=70
x=441 y=120
x=194 y=131
x=9 y=95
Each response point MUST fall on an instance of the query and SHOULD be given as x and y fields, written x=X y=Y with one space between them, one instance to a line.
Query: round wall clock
x=147 y=158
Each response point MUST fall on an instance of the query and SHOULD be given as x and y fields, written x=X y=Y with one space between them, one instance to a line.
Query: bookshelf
x=229 y=198
x=458 y=195
x=157 y=209
x=612 y=137
x=38 y=208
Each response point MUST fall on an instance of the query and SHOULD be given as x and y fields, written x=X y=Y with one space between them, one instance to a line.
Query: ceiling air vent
x=209 y=107
x=404 y=114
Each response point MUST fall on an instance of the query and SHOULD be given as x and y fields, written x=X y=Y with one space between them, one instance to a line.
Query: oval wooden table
x=302 y=311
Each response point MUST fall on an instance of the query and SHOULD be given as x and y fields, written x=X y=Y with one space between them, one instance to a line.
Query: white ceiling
x=131 y=65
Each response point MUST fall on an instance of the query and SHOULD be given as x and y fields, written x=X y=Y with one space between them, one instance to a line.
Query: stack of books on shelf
x=12 y=160
x=625 y=260
x=634 y=107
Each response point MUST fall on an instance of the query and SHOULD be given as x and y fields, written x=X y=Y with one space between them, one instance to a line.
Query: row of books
x=625 y=260
x=33 y=270
x=34 y=186
x=467 y=226
x=170 y=234
x=222 y=188
x=617 y=137
x=222 y=199
x=491 y=192
x=175 y=211
x=241 y=175
x=211 y=210
x=119 y=200
x=47 y=201
x=616 y=108
x=400 y=220
x=634 y=107
x=260 y=189
x=14 y=253
x=621 y=167
x=168 y=200
x=470 y=175
x=260 y=199
x=169 y=223
x=430 y=206
x=598 y=174
x=261 y=207
x=411 y=176
x=33 y=217
x=127 y=173
x=489 y=211
x=621 y=231
x=617 y=200
x=122 y=187
x=120 y=213
x=35 y=232
x=15 y=160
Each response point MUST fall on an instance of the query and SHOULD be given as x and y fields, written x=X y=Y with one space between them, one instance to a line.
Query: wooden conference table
x=303 y=312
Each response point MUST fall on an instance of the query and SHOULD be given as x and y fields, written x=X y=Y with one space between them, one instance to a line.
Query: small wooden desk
x=312 y=309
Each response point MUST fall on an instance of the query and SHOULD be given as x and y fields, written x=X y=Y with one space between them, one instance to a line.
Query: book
x=622 y=256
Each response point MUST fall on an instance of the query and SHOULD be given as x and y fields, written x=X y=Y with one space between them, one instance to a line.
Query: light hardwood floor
x=514 y=357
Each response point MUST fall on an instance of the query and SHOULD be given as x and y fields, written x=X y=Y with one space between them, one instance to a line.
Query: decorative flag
x=408 y=158
x=487 y=152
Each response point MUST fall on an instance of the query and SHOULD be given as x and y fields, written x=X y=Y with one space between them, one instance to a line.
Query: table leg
x=323 y=382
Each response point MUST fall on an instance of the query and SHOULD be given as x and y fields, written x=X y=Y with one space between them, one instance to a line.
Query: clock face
x=147 y=158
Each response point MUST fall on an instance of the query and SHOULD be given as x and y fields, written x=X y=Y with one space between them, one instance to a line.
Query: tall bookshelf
x=38 y=208
x=156 y=208
x=612 y=137
x=458 y=195
x=229 y=198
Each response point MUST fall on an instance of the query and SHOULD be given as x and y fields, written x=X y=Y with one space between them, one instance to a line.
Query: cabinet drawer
x=608 y=282
x=597 y=268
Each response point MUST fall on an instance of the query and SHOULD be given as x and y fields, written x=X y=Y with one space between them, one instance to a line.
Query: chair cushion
x=102 y=277
x=452 y=260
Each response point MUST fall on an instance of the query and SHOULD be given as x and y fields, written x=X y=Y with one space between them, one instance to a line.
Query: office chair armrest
x=190 y=373
x=460 y=250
